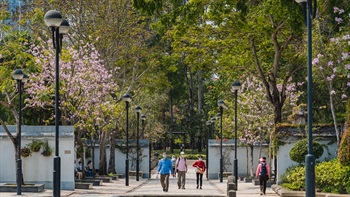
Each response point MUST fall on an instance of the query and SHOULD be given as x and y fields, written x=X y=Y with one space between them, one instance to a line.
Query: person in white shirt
x=181 y=169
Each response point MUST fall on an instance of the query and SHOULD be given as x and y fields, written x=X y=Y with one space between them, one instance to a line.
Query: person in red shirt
x=200 y=165
x=263 y=173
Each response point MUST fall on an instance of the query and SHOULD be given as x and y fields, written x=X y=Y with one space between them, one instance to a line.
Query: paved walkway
x=151 y=187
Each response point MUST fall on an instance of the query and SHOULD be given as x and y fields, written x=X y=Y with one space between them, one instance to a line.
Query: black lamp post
x=221 y=104
x=143 y=119
x=212 y=120
x=235 y=86
x=138 y=111
x=21 y=78
x=208 y=123
x=310 y=158
x=127 y=98
x=59 y=27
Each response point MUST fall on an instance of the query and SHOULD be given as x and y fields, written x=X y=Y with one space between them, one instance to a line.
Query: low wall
x=120 y=157
x=228 y=157
x=38 y=168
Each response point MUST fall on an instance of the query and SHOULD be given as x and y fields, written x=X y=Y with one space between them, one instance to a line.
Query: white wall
x=228 y=157
x=284 y=161
x=38 y=168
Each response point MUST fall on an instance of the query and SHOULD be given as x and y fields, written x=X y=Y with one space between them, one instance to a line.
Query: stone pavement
x=151 y=187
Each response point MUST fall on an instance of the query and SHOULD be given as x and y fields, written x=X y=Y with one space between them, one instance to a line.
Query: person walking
x=164 y=169
x=263 y=173
x=181 y=169
x=200 y=169
x=173 y=162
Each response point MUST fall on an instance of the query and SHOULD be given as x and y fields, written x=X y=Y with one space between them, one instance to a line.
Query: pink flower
x=343 y=96
x=335 y=9
x=347 y=66
x=338 y=20
x=330 y=63
x=315 y=61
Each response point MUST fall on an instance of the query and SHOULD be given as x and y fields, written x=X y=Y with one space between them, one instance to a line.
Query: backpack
x=263 y=171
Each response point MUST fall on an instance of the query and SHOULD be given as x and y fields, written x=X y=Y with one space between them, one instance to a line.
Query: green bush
x=294 y=178
x=331 y=177
x=298 y=152
x=344 y=149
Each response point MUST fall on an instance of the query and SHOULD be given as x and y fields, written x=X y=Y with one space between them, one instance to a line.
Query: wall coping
x=39 y=131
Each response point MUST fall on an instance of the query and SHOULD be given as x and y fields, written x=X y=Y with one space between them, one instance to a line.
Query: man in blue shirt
x=165 y=167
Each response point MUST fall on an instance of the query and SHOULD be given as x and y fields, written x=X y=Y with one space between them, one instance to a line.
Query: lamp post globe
x=127 y=99
x=64 y=27
x=138 y=111
x=18 y=74
x=53 y=18
x=235 y=86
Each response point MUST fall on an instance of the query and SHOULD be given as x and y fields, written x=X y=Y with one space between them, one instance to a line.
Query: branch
x=258 y=67
x=14 y=141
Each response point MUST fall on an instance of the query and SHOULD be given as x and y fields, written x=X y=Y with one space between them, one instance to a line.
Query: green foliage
x=35 y=145
x=331 y=176
x=47 y=149
x=300 y=149
x=344 y=149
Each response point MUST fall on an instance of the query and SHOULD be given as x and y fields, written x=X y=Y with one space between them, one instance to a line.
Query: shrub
x=298 y=152
x=35 y=145
x=331 y=177
x=344 y=149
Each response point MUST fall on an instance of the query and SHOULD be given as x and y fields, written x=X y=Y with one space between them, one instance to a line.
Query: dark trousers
x=164 y=181
x=199 y=178
x=263 y=179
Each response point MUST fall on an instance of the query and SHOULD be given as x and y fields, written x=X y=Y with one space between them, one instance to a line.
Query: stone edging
x=287 y=193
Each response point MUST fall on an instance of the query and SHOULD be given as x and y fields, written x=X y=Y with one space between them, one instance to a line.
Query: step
x=82 y=185
x=93 y=181
x=4 y=187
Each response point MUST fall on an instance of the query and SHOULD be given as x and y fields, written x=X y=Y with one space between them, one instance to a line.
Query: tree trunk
x=247 y=153
x=111 y=163
x=103 y=159
x=251 y=160
x=200 y=109
x=334 y=116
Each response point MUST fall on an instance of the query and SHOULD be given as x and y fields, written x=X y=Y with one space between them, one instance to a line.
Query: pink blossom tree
x=86 y=90
x=332 y=64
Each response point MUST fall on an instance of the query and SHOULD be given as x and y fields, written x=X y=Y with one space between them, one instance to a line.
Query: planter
x=25 y=152
x=47 y=150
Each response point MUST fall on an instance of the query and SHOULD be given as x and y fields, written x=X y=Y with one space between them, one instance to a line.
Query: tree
x=85 y=89
x=332 y=60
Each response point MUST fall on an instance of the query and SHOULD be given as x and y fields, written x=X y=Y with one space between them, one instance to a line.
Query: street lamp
x=59 y=27
x=127 y=99
x=222 y=105
x=208 y=123
x=310 y=158
x=21 y=78
x=143 y=119
x=212 y=120
x=138 y=111
x=235 y=86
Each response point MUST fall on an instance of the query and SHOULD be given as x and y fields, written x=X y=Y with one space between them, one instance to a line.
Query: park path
x=151 y=187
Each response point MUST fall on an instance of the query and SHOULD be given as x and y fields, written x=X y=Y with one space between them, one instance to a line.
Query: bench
x=81 y=185
x=104 y=179
x=93 y=181
x=133 y=173
x=224 y=174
